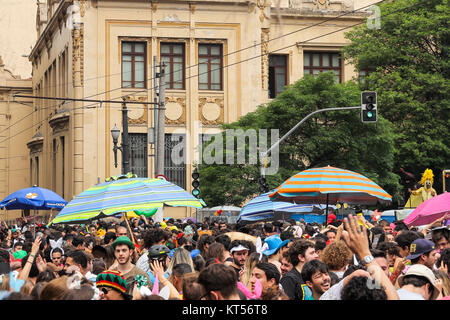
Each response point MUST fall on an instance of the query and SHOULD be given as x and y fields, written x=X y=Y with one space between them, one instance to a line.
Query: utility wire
x=248 y=59
x=230 y=53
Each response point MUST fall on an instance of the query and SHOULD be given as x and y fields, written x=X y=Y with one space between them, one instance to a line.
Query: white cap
x=238 y=248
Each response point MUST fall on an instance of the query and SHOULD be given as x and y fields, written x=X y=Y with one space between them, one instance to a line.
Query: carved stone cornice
x=60 y=122
x=36 y=144
x=50 y=28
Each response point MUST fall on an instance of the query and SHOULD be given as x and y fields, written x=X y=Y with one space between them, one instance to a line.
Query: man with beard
x=316 y=277
x=123 y=252
x=300 y=252
x=286 y=265
x=239 y=253
x=422 y=251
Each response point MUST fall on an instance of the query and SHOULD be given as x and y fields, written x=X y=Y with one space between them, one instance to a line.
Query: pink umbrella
x=429 y=211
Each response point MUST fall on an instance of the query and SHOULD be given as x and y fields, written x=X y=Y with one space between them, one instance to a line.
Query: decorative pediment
x=36 y=143
x=60 y=122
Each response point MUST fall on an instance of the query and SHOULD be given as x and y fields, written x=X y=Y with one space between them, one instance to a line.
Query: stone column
x=78 y=134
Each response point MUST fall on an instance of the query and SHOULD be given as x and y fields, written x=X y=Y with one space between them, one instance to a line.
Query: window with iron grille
x=134 y=65
x=210 y=61
x=317 y=62
x=172 y=54
x=174 y=159
x=138 y=154
x=277 y=74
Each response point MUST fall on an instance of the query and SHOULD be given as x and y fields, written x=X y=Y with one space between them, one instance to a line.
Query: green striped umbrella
x=122 y=195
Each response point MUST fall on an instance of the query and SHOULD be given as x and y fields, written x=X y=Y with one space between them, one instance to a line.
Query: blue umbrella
x=33 y=198
x=262 y=208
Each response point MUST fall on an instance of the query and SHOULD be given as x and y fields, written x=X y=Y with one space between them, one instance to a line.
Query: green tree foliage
x=409 y=62
x=335 y=138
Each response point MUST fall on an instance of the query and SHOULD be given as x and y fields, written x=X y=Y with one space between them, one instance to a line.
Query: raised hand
x=355 y=236
x=443 y=267
x=36 y=245
x=157 y=269
x=41 y=264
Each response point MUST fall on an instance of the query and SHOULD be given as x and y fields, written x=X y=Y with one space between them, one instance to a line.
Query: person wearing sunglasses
x=112 y=285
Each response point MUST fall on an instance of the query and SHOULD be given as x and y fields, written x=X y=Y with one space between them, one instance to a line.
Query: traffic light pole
x=266 y=153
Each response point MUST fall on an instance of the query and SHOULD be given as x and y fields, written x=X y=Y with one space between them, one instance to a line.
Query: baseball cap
x=422 y=271
x=122 y=240
x=194 y=253
x=331 y=218
x=418 y=247
x=275 y=243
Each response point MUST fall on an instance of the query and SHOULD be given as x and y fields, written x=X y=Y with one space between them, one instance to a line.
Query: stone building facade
x=223 y=58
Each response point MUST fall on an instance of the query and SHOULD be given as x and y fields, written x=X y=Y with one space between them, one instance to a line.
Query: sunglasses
x=105 y=291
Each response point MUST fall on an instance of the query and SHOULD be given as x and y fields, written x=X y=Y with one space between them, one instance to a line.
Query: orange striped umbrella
x=330 y=185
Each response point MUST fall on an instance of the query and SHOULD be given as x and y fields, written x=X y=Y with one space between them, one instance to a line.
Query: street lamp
x=124 y=147
x=115 y=132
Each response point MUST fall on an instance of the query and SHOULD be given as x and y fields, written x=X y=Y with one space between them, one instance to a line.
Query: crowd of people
x=349 y=259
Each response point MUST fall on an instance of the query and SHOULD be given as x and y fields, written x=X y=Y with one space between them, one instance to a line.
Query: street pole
x=125 y=139
x=155 y=116
x=161 y=119
x=264 y=154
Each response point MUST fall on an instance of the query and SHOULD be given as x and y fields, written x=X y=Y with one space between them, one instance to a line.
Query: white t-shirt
x=142 y=262
x=334 y=293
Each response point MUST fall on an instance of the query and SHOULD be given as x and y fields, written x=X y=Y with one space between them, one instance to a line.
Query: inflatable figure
x=423 y=193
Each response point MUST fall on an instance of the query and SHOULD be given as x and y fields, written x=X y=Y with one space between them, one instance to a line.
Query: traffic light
x=196 y=183
x=263 y=186
x=369 y=106
x=446 y=180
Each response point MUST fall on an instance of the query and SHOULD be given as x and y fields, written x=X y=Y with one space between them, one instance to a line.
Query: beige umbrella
x=241 y=236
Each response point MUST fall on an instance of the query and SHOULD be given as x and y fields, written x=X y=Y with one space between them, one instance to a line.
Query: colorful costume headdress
x=427 y=175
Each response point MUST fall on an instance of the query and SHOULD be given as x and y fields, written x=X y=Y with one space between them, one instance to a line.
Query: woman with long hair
x=249 y=265
x=180 y=255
